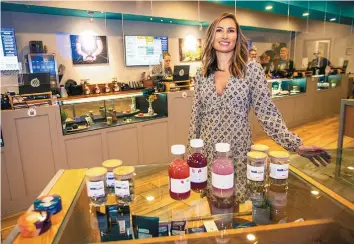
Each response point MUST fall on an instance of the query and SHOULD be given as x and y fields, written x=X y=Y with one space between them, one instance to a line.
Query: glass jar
x=110 y=165
x=198 y=166
x=256 y=176
x=124 y=184
x=264 y=149
x=279 y=167
x=179 y=174
x=222 y=172
x=95 y=182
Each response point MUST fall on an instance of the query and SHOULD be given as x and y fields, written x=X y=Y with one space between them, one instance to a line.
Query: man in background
x=252 y=54
x=321 y=63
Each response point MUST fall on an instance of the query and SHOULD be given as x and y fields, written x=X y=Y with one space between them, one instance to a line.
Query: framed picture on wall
x=190 y=49
x=89 y=49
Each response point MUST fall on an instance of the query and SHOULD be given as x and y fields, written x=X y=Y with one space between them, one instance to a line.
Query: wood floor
x=322 y=133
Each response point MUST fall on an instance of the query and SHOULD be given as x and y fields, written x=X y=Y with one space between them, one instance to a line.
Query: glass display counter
x=299 y=206
x=92 y=113
x=325 y=82
x=288 y=87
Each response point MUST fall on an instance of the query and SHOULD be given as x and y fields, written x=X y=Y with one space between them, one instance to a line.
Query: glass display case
x=294 y=205
x=92 y=113
x=325 y=82
x=288 y=87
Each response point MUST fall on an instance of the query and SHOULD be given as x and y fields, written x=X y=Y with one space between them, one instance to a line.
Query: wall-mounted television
x=8 y=50
x=144 y=50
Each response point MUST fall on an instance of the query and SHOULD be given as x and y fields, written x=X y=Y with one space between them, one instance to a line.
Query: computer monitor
x=34 y=83
x=181 y=73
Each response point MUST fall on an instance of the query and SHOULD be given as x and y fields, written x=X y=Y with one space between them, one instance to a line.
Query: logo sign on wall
x=35 y=82
x=31 y=112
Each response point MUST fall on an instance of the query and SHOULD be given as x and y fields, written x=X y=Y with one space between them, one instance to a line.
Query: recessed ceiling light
x=251 y=237
x=170 y=21
x=350 y=167
x=333 y=19
x=162 y=20
x=150 y=18
x=269 y=7
x=305 y=14
x=102 y=12
x=315 y=193
x=150 y=198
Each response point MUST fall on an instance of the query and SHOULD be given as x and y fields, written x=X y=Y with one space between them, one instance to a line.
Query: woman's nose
x=225 y=34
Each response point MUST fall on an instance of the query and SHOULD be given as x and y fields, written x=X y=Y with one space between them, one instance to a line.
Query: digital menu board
x=144 y=50
x=8 y=50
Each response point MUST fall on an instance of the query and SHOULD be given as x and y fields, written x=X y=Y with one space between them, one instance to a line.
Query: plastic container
x=96 y=182
x=110 y=165
x=124 y=184
x=279 y=167
x=198 y=166
x=222 y=172
x=264 y=149
x=256 y=162
x=179 y=174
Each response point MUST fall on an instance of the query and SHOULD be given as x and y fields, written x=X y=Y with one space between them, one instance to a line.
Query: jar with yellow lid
x=124 y=184
x=279 y=167
x=110 y=165
x=256 y=176
x=264 y=149
x=95 y=182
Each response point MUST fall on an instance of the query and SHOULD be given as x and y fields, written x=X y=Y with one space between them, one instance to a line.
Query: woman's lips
x=224 y=43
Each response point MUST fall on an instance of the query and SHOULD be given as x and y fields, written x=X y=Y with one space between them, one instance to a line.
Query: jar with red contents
x=198 y=166
x=179 y=175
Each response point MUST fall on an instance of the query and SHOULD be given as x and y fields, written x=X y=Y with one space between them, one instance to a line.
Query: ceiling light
x=150 y=18
x=333 y=19
x=150 y=198
x=305 y=14
x=251 y=237
x=269 y=7
x=170 y=21
x=102 y=12
x=315 y=193
x=162 y=20
x=350 y=167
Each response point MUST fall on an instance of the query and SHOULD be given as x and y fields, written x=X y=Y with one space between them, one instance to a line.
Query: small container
x=256 y=176
x=109 y=120
x=198 y=166
x=110 y=165
x=107 y=89
x=97 y=89
x=102 y=111
x=124 y=184
x=279 y=167
x=95 y=182
x=264 y=149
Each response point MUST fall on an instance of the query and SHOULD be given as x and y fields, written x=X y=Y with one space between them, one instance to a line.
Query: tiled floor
x=324 y=133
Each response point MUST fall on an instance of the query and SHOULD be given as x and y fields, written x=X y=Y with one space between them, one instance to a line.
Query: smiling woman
x=225 y=90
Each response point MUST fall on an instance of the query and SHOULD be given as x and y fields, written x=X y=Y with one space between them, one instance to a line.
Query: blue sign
x=8 y=41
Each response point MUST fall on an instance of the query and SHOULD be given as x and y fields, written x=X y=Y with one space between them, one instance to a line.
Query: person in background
x=225 y=90
x=321 y=63
x=252 y=54
x=164 y=69
x=283 y=62
x=265 y=61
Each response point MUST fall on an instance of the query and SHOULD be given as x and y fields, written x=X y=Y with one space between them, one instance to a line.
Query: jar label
x=222 y=181
x=279 y=171
x=121 y=188
x=255 y=173
x=95 y=188
x=110 y=179
x=180 y=185
x=198 y=175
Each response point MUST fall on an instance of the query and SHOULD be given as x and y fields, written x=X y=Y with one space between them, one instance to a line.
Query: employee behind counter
x=165 y=68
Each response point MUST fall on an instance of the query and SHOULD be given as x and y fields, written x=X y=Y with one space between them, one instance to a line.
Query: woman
x=164 y=69
x=225 y=89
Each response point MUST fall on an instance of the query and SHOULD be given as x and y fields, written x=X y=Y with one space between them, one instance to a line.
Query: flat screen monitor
x=144 y=50
x=8 y=50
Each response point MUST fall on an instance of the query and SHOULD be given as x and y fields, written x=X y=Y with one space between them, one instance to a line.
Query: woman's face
x=225 y=36
x=167 y=61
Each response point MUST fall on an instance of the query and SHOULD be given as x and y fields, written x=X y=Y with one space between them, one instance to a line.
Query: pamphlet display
x=8 y=50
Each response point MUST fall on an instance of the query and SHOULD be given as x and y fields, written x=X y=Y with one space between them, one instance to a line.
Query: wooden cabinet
x=123 y=144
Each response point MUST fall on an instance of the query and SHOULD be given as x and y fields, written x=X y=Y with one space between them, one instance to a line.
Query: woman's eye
x=231 y=31
x=218 y=30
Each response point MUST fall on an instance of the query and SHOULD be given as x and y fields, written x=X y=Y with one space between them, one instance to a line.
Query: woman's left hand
x=315 y=154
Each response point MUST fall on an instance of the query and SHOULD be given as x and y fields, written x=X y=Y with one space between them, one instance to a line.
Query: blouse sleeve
x=266 y=112
x=197 y=110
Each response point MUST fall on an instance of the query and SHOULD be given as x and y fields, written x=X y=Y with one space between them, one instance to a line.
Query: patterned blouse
x=224 y=118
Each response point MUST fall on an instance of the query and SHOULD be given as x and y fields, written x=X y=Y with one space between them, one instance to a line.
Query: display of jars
x=95 y=182
x=110 y=165
x=222 y=172
x=256 y=176
x=124 y=184
x=264 y=149
x=179 y=174
x=198 y=166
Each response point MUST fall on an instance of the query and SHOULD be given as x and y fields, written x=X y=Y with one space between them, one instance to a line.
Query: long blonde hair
x=240 y=54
